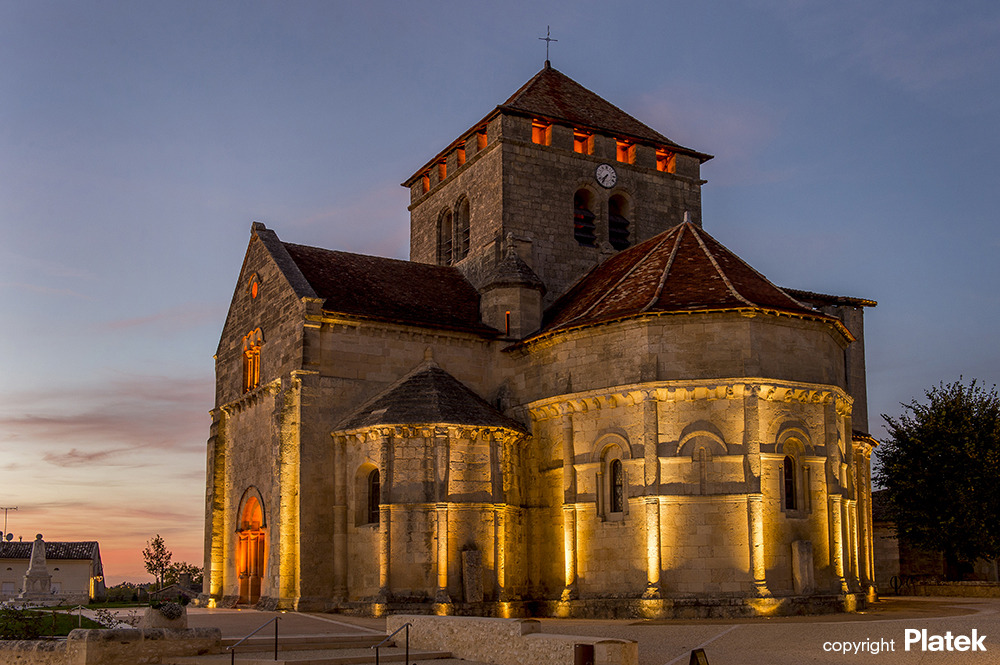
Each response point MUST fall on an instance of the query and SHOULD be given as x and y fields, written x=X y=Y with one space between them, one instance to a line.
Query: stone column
x=385 y=515
x=755 y=513
x=340 y=481
x=755 y=500
x=287 y=525
x=441 y=513
x=651 y=468
x=216 y=533
x=500 y=553
x=837 y=546
x=569 y=508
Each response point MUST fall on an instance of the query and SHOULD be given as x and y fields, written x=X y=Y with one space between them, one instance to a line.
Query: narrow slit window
x=617 y=503
x=374 y=489
x=445 y=238
x=583 y=142
x=789 y=472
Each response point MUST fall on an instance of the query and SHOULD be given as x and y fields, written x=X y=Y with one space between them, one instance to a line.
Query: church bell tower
x=560 y=174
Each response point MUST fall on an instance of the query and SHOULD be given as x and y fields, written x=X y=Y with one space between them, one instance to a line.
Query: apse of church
x=571 y=401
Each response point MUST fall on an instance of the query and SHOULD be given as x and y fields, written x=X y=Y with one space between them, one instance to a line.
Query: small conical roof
x=428 y=396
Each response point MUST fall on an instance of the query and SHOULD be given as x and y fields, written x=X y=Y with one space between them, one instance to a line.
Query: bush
x=19 y=623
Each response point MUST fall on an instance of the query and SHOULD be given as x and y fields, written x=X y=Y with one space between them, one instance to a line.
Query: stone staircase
x=312 y=650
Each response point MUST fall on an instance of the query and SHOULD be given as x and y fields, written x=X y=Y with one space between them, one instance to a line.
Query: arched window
x=789 y=479
x=618 y=222
x=374 y=489
x=617 y=479
x=462 y=230
x=445 y=238
x=584 y=229
x=251 y=359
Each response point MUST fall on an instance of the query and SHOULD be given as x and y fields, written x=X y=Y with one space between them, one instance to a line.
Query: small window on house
x=541 y=132
x=666 y=161
x=481 y=139
x=789 y=480
x=425 y=182
x=251 y=360
x=618 y=222
x=445 y=230
x=616 y=503
x=583 y=142
x=626 y=152
x=374 y=497
x=584 y=229
x=460 y=156
x=462 y=231
x=442 y=170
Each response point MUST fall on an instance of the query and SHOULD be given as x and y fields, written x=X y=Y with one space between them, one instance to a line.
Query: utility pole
x=4 y=533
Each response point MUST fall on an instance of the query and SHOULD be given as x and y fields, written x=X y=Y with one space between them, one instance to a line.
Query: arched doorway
x=250 y=551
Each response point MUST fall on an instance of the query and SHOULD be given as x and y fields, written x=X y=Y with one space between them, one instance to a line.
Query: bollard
x=583 y=654
x=698 y=657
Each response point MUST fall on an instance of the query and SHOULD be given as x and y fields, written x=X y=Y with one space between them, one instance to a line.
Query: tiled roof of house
x=683 y=269
x=389 y=289
x=53 y=550
x=552 y=95
x=428 y=395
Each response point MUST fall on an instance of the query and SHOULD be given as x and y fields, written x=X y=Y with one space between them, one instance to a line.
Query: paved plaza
x=875 y=636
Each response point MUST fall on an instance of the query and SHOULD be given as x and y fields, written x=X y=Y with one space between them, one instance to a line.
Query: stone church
x=571 y=400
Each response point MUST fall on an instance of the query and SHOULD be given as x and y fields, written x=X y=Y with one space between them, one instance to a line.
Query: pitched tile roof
x=683 y=269
x=553 y=95
x=826 y=299
x=389 y=289
x=428 y=395
x=53 y=550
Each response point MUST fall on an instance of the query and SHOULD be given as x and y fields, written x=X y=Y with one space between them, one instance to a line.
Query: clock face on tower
x=606 y=176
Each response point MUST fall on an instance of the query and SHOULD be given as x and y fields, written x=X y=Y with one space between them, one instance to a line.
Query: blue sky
x=856 y=153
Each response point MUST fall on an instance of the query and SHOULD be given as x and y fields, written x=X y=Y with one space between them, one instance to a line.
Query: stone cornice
x=768 y=390
x=251 y=398
x=428 y=430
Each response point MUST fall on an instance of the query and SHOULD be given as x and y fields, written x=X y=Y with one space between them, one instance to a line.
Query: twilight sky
x=857 y=153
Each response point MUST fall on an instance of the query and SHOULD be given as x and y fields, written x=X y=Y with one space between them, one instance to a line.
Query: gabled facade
x=572 y=400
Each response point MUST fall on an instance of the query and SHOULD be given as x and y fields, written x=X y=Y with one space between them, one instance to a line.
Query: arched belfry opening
x=250 y=551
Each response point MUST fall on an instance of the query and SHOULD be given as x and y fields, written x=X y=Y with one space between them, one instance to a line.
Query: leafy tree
x=941 y=472
x=156 y=558
x=176 y=569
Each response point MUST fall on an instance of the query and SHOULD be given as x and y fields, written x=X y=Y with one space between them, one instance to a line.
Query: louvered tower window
x=584 y=229
x=617 y=223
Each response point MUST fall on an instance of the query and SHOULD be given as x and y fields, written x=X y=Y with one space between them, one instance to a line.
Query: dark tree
x=156 y=558
x=941 y=472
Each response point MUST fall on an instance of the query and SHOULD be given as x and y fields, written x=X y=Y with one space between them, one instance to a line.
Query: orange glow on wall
x=442 y=170
x=626 y=152
x=666 y=161
x=583 y=142
x=541 y=132
x=481 y=139
x=460 y=155
x=425 y=182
